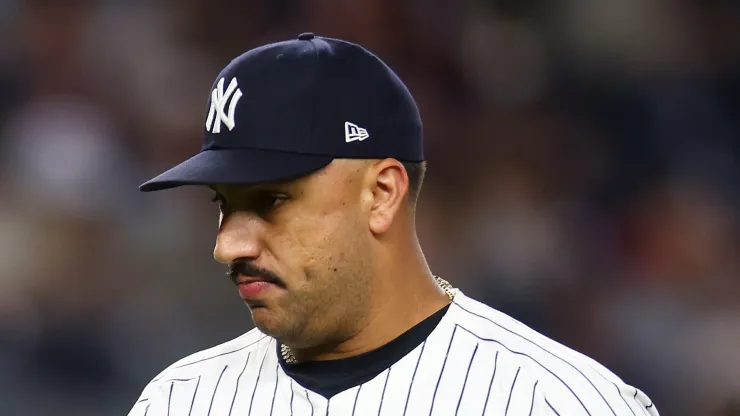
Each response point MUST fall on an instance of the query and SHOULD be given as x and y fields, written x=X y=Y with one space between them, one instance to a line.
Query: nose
x=239 y=237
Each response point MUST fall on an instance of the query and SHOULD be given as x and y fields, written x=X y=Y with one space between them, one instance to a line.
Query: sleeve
x=151 y=400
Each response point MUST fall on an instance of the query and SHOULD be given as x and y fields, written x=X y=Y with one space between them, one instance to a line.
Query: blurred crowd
x=583 y=178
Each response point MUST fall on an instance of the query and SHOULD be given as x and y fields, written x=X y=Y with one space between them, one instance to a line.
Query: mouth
x=253 y=283
x=256 y=288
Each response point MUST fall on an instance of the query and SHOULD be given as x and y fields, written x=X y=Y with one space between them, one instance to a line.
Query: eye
x=267 y=202
x=261 y=203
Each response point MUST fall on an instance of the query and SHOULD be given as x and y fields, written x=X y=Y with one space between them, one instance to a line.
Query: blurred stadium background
x=583 y=178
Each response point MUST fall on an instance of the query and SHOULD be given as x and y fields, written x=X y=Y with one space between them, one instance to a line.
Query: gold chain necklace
x=449 y=290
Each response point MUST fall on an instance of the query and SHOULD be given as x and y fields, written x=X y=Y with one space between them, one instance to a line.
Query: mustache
x=248 y=269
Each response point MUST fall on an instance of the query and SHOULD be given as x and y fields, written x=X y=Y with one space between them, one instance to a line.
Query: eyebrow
x=272 y=187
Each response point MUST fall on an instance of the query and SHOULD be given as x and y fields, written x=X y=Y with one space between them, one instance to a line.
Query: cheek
x=322 y=239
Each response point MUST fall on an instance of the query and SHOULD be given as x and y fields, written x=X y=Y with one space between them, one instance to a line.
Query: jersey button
x=306 y=36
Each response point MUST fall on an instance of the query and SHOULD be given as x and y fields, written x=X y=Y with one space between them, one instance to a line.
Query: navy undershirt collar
x=327 y=378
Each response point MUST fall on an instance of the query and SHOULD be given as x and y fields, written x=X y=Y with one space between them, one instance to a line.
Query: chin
x=267 y=322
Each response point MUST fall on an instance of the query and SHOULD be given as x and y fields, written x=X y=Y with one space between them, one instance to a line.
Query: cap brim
x=237 y=167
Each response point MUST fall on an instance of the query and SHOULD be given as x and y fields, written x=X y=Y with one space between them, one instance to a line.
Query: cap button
x=306 y=36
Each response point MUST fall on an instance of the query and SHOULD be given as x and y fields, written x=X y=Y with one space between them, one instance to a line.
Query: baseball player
x=313 y=150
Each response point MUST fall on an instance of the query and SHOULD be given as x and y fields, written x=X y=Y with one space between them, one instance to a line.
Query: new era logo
x=219 y=98
x=353 y=132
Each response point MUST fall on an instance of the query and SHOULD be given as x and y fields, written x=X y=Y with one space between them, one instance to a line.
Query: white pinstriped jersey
x=477 y=361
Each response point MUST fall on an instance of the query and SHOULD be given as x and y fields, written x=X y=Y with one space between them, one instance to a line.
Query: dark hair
x=415 y=172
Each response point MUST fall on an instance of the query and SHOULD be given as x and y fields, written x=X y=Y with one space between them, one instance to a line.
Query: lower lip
x=255 y=290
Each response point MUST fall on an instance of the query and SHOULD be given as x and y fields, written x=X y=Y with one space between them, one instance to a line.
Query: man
x=313 y=148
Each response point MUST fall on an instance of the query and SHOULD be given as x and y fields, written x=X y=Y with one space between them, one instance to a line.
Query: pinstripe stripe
x=619 y=392
x=169 y=380
x=382 y=395
x=354 y=406
x=551 y=408
x=511 y=392
x=169 y=399
x=534 y=389
x=495 y=366
x=444 y=364
x=413 y=376
x=465 y=382
x=309 y=401
x=192 y=402
x=238 y=379
x=259 y=374
x=216 y=388
x=277 y=381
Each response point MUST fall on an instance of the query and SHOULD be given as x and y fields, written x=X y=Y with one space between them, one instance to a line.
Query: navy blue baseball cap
x=287 y=109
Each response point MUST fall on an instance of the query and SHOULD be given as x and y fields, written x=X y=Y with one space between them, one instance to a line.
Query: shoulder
x=567 y=380
x=217 y=356
x=205 y=362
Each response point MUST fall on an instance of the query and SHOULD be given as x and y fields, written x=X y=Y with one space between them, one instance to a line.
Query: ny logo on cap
x=353 y=132
x=218 y=102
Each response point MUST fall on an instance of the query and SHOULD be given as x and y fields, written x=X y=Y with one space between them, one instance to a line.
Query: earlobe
x=380 y=222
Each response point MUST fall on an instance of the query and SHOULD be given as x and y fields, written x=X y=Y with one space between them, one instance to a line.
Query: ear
x=390 y=184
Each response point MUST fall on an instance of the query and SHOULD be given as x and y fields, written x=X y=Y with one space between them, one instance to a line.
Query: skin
x=343 y=246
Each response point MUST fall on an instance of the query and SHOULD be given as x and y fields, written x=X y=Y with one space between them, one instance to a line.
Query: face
x=302 y=251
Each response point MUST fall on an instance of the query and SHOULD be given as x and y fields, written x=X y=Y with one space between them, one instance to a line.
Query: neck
x=405 y=298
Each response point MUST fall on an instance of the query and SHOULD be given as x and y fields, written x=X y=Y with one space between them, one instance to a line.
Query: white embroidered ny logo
x=218 y=102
